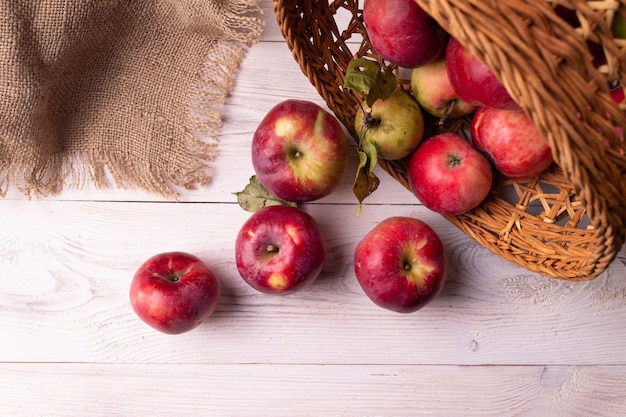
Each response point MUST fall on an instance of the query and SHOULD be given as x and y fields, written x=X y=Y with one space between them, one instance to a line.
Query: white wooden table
x=498 y=341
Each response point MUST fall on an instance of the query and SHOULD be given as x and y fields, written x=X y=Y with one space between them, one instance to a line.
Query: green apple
x=434 y=93
x=394 y=125
x=619 y=26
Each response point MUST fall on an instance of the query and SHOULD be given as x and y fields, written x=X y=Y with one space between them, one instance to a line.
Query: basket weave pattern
x=567 y=223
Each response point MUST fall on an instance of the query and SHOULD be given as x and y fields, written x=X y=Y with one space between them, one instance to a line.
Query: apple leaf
x=366 y=182
x=255 y=196
x=370 y=78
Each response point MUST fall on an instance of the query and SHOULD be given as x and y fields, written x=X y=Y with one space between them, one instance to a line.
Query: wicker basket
x=568 y=223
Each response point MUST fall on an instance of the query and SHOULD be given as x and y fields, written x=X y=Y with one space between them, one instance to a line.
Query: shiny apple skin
x=433 y=91
x=449 y=175
x=299 y=151
x=280 y=250
x=512 y=141
x=473 y=81
x=174 y=292
x=401 y=264
x=402 y=32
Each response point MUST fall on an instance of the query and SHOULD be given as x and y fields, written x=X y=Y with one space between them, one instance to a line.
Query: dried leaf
x=365 y=182
x=255 y=196
x=370 y=78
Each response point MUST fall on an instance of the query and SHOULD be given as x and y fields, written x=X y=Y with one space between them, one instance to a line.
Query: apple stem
x=368 y=120
x=172 y=277
x=446 y=113
x=406 y=266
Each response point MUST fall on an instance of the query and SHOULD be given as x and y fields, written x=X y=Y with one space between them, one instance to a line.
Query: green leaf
x=370 y=78
x=255 y=196
x=365 y=182
x=385 y=85
x=361 y=75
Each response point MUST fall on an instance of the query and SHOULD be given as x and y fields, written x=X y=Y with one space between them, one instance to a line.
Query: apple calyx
x=255 y=196
x=454 y=160
x=271 y=250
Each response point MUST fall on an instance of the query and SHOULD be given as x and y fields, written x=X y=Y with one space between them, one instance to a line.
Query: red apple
x=400 y=264
x=402 y=32
x=299 y=151
x=174 y=292
x=449 y=175
x=512 y=141
x=618 y=95
x=280 y=250
x=394 y=125
x=473 y=81
x=433 y=91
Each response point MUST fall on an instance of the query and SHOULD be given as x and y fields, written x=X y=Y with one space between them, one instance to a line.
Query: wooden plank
x=258 y=390
x=66 y=267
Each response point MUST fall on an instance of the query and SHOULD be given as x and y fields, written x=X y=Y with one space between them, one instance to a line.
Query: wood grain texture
x=76 y=259
x=499 y=341
x=313 y=390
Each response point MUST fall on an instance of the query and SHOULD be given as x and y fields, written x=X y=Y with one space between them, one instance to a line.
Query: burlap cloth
x=120 y=92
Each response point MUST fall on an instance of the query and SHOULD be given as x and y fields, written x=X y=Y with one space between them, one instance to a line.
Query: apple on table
x=299 y=151
x=279 y=250
x=400 y=264
x=174 y=292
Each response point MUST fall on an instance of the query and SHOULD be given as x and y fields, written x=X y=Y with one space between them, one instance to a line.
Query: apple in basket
x=280 y=250
x=400 y=264
x=473 y=81
x=299 y=151
x=433 y=91
x=174 y=292
x=618 y=26
x=395 y=125
x=449 y=175
x=402 y=32
x=618 y=95
x=512 y=141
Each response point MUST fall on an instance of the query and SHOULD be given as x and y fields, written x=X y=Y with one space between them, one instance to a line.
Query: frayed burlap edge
x=208 y=95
